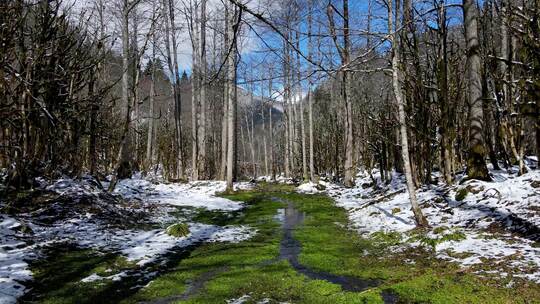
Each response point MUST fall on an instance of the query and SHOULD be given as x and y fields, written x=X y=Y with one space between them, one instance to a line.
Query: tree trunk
x=151 y=120
x=344 y=53
x=195 y=96
x=442 y=75
x=122 y=168
x=286 y=113
x=172 y=59
x=201 y=163
x=231 y=111
x=227 y=83
x=271 y=128
x=135 y=88
x=92 y=141
x=476 y=165
x=398 y=92
x=310 y=98
x=305 y=176
x=223 y=167
x=264 y=131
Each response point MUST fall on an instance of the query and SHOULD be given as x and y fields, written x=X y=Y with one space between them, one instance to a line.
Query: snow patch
x=95 y=277
x=308 y=188
x=13 y=267
x=89 y=230
x=145 y=247
x=373 y=206
x=248 y=299
x=200 y=194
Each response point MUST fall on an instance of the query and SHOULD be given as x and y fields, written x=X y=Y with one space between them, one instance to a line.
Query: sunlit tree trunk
x=476 y=165
x=201 y=163
x=400 y=101
x=231 y=111
x=310 y=98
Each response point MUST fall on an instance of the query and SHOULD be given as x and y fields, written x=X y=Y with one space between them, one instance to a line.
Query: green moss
x=329 y=246
x=387 y=238
x=178 y=230
x=280 y=283
x=57 y=279
x=215 y=217
x=23 y=195
x=461 y=194
x=454 y=236
x=440 y=229
x=252 y=267
x=432 y=242
x=436 y=288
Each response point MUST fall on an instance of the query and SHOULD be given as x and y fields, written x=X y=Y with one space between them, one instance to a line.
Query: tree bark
x=195 y=94
x=310 y=97
x=271 y=128
x=227 y=83
x=476 y=165
x=231 y=111
x=344 y=53
x=151 y=120
x=398 y=92
x=201 y=163
x=172 y=60
x=122 y=168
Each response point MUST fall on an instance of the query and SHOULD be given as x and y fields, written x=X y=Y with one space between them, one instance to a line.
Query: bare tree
x=232 y=29
x=344 y=54
x=476 y=164
x=201 y=158
x=310 y=96
x=169 y=14
x=123 y=167
x=399 y=96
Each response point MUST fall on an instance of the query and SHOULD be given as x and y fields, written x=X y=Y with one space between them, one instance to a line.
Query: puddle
x=290 y=249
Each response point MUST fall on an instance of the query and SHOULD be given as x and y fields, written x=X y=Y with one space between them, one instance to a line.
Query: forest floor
x=154 y=242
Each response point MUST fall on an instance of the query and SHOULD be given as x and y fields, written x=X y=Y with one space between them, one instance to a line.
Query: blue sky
x=358 y=11
x=256 y=53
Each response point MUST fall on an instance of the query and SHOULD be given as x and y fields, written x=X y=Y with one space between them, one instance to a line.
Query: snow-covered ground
x=498 y=220
x=308 y=187
x=13 y=268
x=94 y=224
x=194 y=194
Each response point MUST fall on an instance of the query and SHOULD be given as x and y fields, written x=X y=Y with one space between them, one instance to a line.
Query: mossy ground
x=252 y=267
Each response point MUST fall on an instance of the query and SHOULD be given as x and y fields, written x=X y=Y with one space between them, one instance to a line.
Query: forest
x=269 y=151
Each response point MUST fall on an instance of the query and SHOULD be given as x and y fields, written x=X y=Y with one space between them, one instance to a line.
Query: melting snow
x=88 y=230
x=247 y=299
x=308 y=187
x=199 y=194
x=504 y=200
x=145 y=246
x=13 y=268
x=96 y=277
